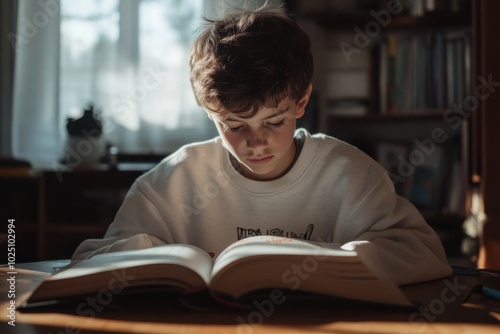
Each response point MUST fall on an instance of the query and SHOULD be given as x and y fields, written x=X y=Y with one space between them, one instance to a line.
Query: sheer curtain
x=128 y=58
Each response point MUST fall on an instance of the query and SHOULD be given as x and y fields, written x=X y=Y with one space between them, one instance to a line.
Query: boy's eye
x=234 y=128
x=277 y=124
x=240 y=127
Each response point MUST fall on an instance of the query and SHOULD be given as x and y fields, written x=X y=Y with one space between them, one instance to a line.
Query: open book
x=248 y=265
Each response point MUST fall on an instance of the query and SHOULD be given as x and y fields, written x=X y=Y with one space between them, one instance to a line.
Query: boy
x=251 y=73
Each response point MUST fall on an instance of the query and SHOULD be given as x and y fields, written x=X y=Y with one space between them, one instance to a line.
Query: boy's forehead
x=263 y=112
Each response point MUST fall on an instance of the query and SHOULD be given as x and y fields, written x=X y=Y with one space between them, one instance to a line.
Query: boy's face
x=263 y=144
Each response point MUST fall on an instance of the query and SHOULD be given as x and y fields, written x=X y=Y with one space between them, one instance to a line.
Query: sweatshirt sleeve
x=137 y=224
x=393 y=239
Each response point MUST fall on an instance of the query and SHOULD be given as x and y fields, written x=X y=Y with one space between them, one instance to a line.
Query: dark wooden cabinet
x=54 y=212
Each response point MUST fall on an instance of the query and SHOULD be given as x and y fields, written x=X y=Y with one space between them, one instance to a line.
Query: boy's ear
x=301 y=105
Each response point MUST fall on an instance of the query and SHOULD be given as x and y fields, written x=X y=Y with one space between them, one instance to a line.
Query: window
x=130 y=59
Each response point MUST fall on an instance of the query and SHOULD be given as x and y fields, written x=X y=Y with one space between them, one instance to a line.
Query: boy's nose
x=256 y=140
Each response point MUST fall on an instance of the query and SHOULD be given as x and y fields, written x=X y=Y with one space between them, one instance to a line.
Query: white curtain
x=36 y=128
x=128 y=58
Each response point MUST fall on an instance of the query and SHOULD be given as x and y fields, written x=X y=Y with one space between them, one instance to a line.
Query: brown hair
x=250 y=59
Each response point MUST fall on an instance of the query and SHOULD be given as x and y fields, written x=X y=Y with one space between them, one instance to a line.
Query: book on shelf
x=427 y=70
x=245 y=268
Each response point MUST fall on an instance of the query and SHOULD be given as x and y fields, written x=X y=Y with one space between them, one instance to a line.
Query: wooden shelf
x=427 y=115
x=329 y=20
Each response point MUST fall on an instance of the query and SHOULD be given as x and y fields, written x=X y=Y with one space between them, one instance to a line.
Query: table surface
x=448 y=305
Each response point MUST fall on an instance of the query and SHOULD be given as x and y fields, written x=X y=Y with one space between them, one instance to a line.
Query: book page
x=186 y=255
x=176 y=265
x=266 y=245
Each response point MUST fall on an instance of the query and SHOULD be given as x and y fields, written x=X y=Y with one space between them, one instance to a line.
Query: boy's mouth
x=259 y=161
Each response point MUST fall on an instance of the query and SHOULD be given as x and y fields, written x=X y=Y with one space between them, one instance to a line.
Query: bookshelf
x=391 y=78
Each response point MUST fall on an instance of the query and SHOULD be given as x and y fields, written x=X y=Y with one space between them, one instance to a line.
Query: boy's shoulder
x=329 y=144
x=338 y=151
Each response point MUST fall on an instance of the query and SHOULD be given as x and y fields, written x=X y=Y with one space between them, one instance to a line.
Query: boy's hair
x=250 y=59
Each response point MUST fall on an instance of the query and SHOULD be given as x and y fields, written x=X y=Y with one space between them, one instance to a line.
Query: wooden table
x=448 y=305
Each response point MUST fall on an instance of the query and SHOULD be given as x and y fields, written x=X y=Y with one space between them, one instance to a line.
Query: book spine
x=427 y=71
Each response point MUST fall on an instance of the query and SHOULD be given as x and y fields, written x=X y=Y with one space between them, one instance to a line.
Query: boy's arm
x=393 y=239
x=137 y=224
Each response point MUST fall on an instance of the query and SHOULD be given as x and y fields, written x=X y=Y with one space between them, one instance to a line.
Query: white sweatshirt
x=333 y=193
